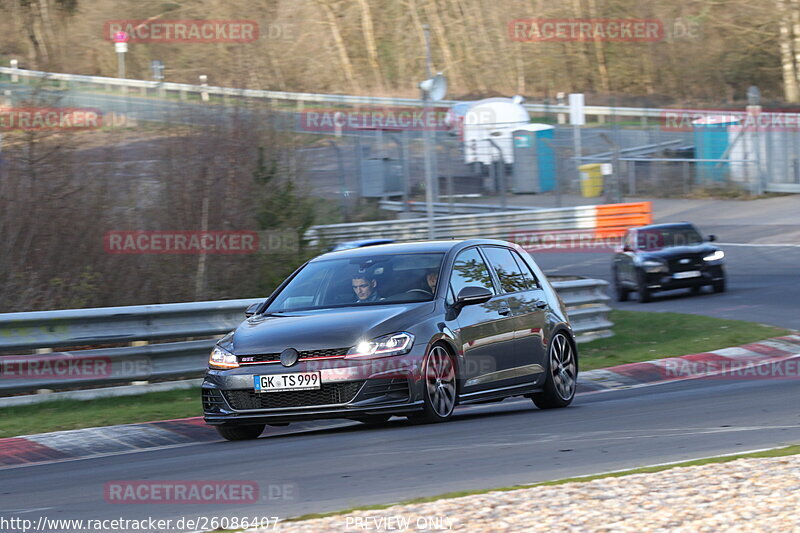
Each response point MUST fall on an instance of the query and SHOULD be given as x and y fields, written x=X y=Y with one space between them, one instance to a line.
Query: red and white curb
x=760 y=360
x=777 y=358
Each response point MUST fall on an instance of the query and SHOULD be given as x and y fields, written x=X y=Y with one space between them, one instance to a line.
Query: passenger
x=365 y=287
x=432 y=277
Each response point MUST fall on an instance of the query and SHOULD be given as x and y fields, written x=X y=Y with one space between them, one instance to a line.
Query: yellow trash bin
x=591 y=180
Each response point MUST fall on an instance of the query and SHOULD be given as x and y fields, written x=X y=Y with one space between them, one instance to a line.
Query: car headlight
x=393 y=344
x=716 y=256
x=222 y=359
x=652 y=267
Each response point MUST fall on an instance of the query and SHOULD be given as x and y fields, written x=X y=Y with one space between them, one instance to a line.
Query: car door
x=486 y=330
x=528 y=305
x=623 y=259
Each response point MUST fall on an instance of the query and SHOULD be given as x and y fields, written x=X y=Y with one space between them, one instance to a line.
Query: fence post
x=685 y=173
x=632 y=178
x=15 y=74
x=204 y=83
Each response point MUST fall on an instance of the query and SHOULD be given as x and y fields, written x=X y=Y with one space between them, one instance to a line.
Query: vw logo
x=289 y=356
x=685 y=261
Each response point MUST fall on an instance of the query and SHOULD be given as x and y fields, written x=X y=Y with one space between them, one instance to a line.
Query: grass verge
x=639 y=336
x=642 y=336
x=77 y=414
x=778 y=452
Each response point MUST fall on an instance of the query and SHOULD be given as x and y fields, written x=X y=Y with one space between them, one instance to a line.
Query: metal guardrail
x=487 y=225
x=508 y=225
x=341 y=99
x=444 y=208
x=178 y=358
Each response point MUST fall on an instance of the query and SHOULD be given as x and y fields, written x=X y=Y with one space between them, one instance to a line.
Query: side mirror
x=251 y=309
x=627 y=248
x=712 y=238
x=473 y=295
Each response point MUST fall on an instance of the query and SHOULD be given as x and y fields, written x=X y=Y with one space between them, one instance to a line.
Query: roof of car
x=667 y=225
x=407 y=247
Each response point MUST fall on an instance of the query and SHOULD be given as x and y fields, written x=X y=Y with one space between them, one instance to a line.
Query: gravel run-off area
x=745 y=495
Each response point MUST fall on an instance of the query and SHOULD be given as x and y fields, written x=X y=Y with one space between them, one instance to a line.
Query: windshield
x=655 y=239
x=358 y=281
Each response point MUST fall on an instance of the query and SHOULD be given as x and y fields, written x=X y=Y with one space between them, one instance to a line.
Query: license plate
x=287 y=382
x=689 y=274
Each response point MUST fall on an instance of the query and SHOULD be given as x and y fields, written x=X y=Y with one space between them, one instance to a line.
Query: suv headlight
x=716 y=256
x=222 y=359
x=393 y=344
x=651 y=267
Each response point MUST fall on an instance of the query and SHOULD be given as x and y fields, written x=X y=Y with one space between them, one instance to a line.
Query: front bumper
x=664 y=281
x=350 y=388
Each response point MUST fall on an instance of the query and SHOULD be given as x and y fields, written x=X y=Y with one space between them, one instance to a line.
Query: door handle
x=505 y=310
x=540 y=304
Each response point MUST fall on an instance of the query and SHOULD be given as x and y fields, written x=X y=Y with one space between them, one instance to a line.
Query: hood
x=322 y=329
x=673 y=252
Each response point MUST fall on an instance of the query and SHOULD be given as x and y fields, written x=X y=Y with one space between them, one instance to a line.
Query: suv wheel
x=621 y=292
x=642 y=291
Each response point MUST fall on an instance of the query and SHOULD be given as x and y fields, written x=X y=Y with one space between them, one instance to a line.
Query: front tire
x=562 y=375
x=621 y=292
x=642 y=291
x=439 y=394
x=719 y=286
x=240 y=432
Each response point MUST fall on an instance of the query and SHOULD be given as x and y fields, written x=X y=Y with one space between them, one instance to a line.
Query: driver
x=364 y=285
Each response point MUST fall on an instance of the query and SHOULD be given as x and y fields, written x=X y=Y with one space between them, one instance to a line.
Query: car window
x=658 y=238
x=506 y=268
x=470 y=270
x=360 y=280
x=628 y=243
x=530 y=277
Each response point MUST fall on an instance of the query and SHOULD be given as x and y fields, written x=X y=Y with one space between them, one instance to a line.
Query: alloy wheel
x=440 y=381
x=563 y=367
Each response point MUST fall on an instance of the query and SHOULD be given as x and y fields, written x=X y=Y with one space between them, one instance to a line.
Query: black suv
x=663 y=257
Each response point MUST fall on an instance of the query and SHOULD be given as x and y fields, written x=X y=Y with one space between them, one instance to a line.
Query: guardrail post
x=203 y=83
x=15 y=74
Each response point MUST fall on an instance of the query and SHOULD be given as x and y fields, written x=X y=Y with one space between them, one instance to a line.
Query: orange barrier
x=613 y=219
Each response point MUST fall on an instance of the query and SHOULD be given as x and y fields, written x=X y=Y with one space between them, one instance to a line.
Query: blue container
x=534 y=159
x=712 y=139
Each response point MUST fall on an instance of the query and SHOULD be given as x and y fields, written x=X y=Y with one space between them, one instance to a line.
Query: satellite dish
x=435 y=87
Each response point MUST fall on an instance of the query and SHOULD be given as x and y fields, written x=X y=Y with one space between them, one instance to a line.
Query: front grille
x=212 y=400
x=329 y=393
x=397 y=388
x=695 y=263
x=305 y=354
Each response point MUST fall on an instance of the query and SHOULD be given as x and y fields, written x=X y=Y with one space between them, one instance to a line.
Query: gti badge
x=289 y=357
x=685 y=261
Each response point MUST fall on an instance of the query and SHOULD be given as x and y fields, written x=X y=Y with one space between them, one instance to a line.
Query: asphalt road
x=763 y=284
x=485 y=446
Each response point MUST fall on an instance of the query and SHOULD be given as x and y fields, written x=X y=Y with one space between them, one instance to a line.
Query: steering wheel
x=423 y=291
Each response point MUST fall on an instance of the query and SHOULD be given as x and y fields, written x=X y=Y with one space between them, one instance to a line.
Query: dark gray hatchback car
x=410 y=329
